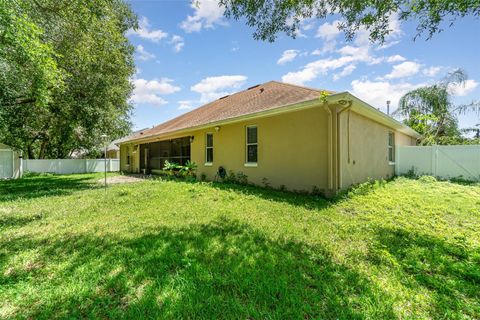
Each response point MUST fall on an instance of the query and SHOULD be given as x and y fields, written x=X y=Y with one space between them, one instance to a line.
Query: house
x=113 y=150
x=10 y=162
x=285 y=135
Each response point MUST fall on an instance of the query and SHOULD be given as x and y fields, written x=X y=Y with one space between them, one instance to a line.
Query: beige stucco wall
x=134 y=158
x=291 y=150
x=367 y=144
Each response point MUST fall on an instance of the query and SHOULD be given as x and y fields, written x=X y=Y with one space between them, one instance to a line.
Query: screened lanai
x=153 y=155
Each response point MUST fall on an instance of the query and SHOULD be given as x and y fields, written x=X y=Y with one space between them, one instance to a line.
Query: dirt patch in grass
x=121 y=179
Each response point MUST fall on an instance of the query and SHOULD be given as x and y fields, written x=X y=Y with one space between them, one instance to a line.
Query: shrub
x=242 y=178
x=265 y=183
x=427 y=179
x=188 y=170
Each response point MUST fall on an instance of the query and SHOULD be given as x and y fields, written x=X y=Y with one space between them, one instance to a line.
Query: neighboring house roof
x=259 y=100
x=113 y=146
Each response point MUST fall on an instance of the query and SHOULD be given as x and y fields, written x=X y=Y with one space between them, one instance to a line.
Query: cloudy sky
x=187 y=56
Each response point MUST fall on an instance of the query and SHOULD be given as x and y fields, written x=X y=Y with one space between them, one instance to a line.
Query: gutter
x=365 y=109
x=261 y=114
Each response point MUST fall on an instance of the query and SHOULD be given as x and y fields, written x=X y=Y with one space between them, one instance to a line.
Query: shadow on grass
x=43 y=185
x=308 y=201
x=219 y=270
x=451 y=271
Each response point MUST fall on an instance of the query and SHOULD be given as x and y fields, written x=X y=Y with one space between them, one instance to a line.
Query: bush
x=427 y=179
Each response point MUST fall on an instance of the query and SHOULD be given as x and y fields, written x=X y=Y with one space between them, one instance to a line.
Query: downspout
x=348 y=106
x=329 y=147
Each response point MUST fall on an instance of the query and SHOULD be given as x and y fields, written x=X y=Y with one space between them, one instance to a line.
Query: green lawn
x=157 y=249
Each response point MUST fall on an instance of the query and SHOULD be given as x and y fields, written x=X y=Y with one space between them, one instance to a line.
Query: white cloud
x=185 y=104
x=177 y=43
x=463 y=89
x=150 y=91
x=287 y=56
x=395 y=58
x=144 y=54
x=345 y=72
x=207 y=14
x=328 y=31
x=431 y=71
x=314 y=69
x=212 y=88
x=404 y=69
x=377 y=93
x=328 y=46
x=145 y=32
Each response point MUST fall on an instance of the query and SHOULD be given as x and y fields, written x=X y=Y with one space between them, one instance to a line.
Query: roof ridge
x=301 y=87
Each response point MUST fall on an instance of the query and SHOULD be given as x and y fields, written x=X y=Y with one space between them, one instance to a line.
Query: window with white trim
x=209 y=148
x=252 y=144
x=391 y=147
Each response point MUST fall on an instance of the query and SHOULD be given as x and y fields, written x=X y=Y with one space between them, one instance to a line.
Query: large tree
x=78 y=65
x=431 y=112
x=271 y=17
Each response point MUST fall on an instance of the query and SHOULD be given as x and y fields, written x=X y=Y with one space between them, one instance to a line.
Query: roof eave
x=266 y=113
x=371 y=112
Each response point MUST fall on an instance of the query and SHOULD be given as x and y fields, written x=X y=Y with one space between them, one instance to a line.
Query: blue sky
x=187 y=56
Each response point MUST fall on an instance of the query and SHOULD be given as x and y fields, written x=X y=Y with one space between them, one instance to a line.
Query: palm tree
x=475 y=129
x=430 y=109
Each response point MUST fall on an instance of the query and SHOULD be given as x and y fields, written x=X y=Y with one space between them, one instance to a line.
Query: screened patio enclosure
x=153 y=155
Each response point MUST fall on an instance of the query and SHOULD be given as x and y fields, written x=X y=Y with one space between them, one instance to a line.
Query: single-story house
x=10 y=162
x=285 y=135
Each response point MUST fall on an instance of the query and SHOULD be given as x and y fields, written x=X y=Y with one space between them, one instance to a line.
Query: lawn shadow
x=308 y=201
x=451 y=271
x=219 y=270
x=43 y=185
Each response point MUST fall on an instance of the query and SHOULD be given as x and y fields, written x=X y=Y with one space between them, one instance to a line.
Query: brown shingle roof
x=267 y=96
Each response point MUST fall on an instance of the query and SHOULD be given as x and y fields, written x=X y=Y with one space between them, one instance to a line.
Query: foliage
x=271 y=17
x=177 y=170
x=238 y=178
x=171 y=167
x=29 y=68
x=189 y=169
x=427 y=179
x=165 y=249
x=68 y=65
x=430 y=111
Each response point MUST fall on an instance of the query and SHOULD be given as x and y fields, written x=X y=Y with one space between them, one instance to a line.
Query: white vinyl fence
x=68 y=166
x=462 y=161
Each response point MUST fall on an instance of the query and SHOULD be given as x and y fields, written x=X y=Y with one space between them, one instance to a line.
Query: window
x=128 y=156
x=209 y=148
x=252 y=144
x=391 y=147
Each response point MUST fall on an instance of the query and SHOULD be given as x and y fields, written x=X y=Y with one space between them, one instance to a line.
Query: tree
x=86 y=49
x=271 y=17
x=475 y=130
x=430 y=111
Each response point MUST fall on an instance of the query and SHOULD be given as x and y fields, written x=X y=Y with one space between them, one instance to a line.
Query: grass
x=157 y=249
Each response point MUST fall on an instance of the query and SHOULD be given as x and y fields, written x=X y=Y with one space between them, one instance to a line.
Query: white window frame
x=391 y=147
x=247 y=163
x=207 y=163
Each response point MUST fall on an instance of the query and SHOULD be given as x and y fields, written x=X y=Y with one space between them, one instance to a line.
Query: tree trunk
x=41 y=154
x=30 y=152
